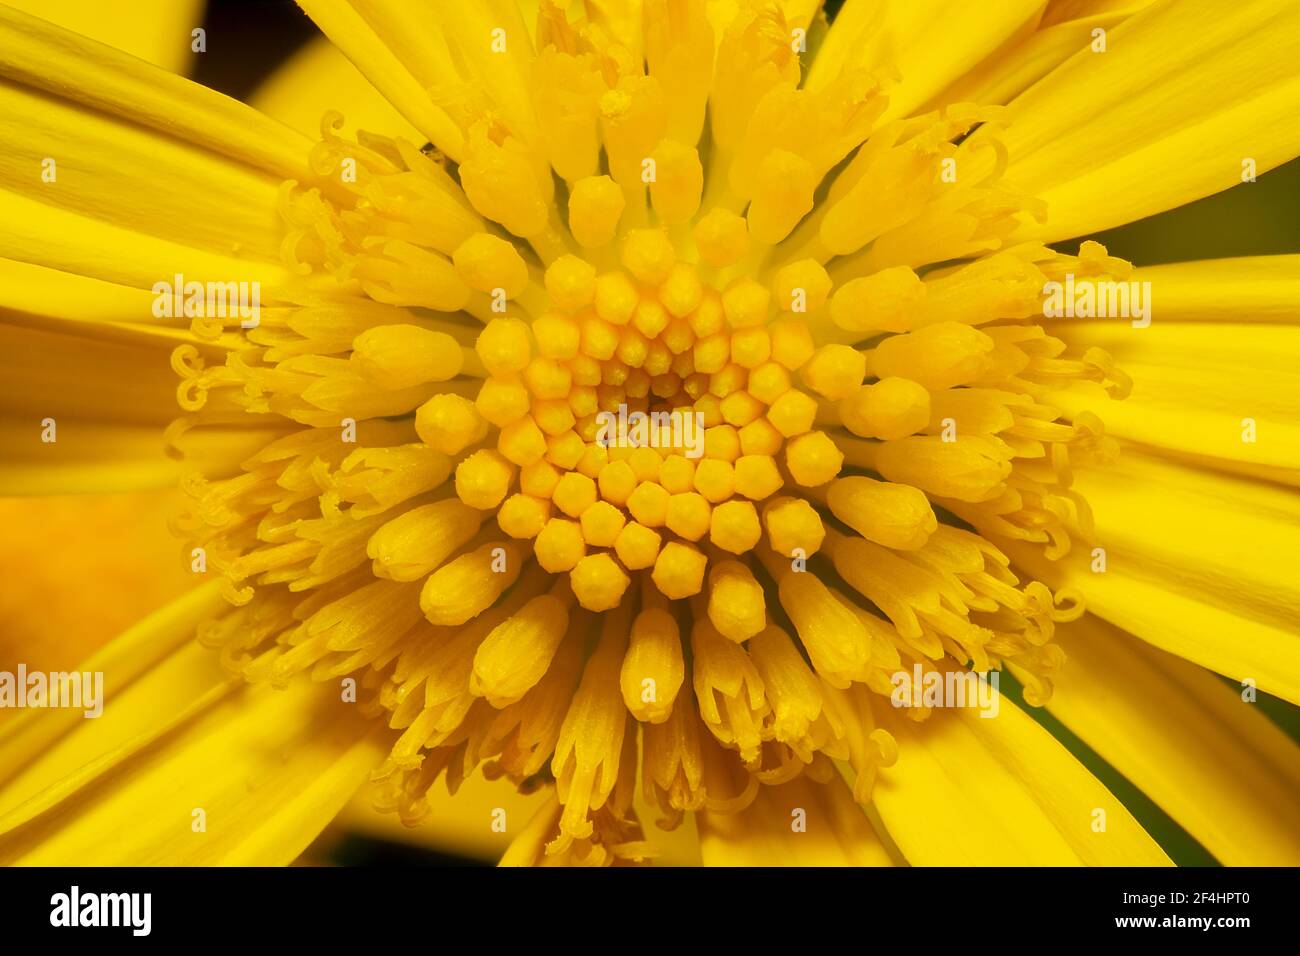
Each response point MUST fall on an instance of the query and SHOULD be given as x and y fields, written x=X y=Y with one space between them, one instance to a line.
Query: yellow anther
x=801 y=286
x=646 y=463
x=783 y=194
x=558 y=336
x=582 y=401
x=559 y=545
x=721 y=442
x=741 y=408
x=760 y=437
x=637 y=384
x=712 y=352
x=449 y=423
x=682 y=292
x=523 y=516
x=937 y=356
x=737 y=606
x=649 y=504
x=677 y=474
x=972 y=468
x=516 y=653
x=751 y=347
x=585 y=368
x=889 y=409
x=679 y=337
x=469 y=585
x=696 y=384
x=757 y=476
x=745 y=303
x=598 y=582
x=768 y=382
x=553 y=415
x=488 y=263
x=632 y=346
x=483 y=479
x=709 y=407
x=813 y=459
x=678 y=183
x=539 y=479
x=588 y=428
x=653 y=668
x=503 y=347
x=594 y=459
x=679 y=570
x=688 y=516
x=599 y=339
x=715 y=479
x=399 y=356
x=793 y=413
x=885 y=301
x=617 y=481
x=504 y=184
x=648 y=255
x=650 y=317
x=666 y=385
x=502 y=400
x=835 y=371
x=792 y=343
x=794 y=528
x=408 y=547
x=722 y=237
x=734 y=526
x=601 y=524
x=708 y=317
x=565 y=451
x=616 y=298
x=730 y=379
x=897 y=516
x=595 y=205
x=571 y=282
x=547 y=378
x=522 y=442
x=574 y=494
x=637 y=546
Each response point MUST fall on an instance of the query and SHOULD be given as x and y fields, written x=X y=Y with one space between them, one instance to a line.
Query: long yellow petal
x=999 y=791
x=1183 y=95
x=158 y=31
x=1196 y=563
x=1214 y=763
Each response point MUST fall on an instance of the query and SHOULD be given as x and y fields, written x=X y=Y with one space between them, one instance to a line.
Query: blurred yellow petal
x=930 y=42
x=1066 y=28
x=60 y=600
x=800 y=823
x=1211 y=761
x=318 y=78
x=154 y=30
x=999 y=791
x=1197 y=563
x=268 y=769
x=1183 y=94
x=42 y=56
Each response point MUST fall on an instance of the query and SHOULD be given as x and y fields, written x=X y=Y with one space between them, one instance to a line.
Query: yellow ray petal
x=836 y=831
x=318 y=78
x=1197 y=563
x=931 y=42
x=1214 y=763
x=1066 y=28
x=46 y=57
x=360 y=42
x=999 y=791
x=154 y=30
x=269 y=769
x=67 y=600
x=1183 y=94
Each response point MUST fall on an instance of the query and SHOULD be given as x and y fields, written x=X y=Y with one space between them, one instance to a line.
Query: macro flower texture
x=608 y=432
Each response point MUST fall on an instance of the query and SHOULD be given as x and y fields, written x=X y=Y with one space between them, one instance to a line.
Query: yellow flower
x=645 y=416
